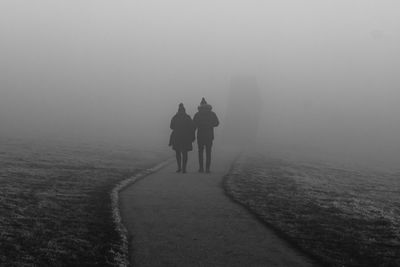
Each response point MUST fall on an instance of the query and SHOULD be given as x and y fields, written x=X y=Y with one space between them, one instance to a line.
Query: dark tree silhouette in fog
x=244 y=111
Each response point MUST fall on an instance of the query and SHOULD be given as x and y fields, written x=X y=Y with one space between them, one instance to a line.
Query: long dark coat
x=183 y=132
x=205 y=120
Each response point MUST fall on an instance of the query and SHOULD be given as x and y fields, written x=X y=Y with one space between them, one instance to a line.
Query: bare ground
x=187 y=220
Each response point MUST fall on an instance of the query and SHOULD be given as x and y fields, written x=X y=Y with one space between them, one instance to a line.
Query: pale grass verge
x=121 y=257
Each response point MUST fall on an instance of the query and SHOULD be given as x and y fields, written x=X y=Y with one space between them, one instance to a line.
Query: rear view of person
x=205 y=120
x=182 y=137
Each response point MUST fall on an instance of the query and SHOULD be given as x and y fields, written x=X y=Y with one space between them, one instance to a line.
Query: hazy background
x=329 y=71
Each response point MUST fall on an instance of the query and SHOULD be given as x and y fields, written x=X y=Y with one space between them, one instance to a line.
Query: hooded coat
x=183 y=132
x=205 y=120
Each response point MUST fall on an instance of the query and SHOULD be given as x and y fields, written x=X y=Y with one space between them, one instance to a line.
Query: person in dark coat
x=182 y=137
x=205 y=120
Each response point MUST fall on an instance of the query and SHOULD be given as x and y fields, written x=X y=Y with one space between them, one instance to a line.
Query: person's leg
x=201 y=152
x=208 y=156
x=178 y=159
x=184 y=160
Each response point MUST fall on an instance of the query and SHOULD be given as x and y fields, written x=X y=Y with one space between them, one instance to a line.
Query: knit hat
x=203 y=102
x=181 y=107
x=204 y=105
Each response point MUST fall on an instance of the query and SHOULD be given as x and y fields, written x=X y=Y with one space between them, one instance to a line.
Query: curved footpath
x=179 y=219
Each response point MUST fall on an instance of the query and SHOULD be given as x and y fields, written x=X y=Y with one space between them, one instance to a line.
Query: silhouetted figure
x=205 y=120
x=182 y=137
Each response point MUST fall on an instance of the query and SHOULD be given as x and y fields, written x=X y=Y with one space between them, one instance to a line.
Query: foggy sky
x=328 y=70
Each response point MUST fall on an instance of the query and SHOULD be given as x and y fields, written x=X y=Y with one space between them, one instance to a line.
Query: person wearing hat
x=182 y=137
x=205 y=120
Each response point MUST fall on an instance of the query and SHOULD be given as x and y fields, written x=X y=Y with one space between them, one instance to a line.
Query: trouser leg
x=201 y=152
x=208 y=156
x=184 y=160
x=178 y=159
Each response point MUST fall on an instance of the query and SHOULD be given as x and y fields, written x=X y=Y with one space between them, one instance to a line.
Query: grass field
x=341 y=217
x=55 y=203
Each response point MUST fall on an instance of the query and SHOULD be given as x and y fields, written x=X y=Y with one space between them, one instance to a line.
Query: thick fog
x=327 y=71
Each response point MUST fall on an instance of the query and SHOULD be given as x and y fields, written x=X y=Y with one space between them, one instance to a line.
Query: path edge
x=121 y=257
x=234 y=170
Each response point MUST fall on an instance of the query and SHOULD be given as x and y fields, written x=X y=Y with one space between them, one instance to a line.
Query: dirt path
x=186 y=220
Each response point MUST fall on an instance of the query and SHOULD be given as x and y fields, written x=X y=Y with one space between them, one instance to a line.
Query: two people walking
x=184 y=134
